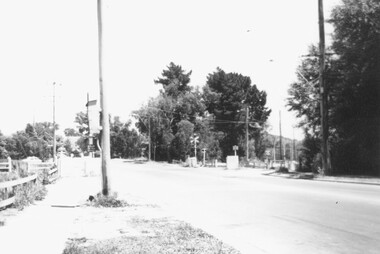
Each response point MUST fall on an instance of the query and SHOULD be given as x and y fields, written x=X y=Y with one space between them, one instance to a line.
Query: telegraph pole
x=280 y=136
x=54 y=136
x=103 y=104
x=323 y=92
x=150 y=148
x=246 y=134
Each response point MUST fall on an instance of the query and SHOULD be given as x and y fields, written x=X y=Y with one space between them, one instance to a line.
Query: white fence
x=5 y=165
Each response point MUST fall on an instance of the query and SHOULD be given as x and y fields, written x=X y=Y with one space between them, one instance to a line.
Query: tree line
x=217 y=114
x=352 y=78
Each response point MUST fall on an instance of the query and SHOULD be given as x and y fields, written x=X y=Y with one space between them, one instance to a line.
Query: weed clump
x=108 y=201
x=28 y=193
x=282 y=170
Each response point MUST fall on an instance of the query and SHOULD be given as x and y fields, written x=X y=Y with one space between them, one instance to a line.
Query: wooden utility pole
x=247 y=134
x=54 y=135
x=103 y=104
x=294 y=147
x=323 y=92
x=150 y=148
x=280 y=136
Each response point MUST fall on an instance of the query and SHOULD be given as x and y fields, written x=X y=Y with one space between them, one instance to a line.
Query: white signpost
x=233 y=161
x=235 y=149
x=204 y=156
x=194 y=140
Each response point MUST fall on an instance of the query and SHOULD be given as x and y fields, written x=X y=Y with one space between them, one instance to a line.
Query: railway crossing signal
x=194 y=140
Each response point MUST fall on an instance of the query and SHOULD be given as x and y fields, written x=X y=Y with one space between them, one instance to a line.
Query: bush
x=283 y=170
x=108 y=201
x=5 y=177
x=28 y=193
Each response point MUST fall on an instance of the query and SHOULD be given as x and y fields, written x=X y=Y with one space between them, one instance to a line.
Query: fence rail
x=50 y=174
x=6 y=165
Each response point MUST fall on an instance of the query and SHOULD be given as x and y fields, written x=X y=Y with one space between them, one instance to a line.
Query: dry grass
x=138 y=230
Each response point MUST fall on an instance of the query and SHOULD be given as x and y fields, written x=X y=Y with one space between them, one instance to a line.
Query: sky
x=47 y=41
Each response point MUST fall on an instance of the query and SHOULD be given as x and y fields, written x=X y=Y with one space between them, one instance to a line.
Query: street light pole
x=103 y=104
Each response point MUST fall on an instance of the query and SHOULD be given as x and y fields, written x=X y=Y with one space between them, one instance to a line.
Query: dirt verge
x=137 y=229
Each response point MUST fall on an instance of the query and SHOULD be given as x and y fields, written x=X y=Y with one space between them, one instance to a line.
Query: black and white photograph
x=190 y=127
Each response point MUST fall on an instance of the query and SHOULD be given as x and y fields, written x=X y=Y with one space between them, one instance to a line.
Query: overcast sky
x=46 y=41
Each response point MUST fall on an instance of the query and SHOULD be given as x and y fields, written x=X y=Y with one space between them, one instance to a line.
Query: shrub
x=283 y=170
x=27 y=193
x=108 y=201
x=5 y=177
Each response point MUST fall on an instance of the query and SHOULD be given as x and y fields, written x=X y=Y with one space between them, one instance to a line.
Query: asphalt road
x=260 y=214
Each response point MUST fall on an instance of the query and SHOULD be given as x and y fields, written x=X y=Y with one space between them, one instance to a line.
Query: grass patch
x=161 y=236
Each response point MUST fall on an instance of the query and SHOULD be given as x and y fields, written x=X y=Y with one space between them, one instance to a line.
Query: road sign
x=235 y=149
x=194 y=139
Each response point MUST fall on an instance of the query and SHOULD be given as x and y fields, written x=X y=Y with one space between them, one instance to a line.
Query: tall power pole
x=54 y=136
x=149 y=144
x=323 y=92
x=246 y=134
x=280 y=135
x=103 y=104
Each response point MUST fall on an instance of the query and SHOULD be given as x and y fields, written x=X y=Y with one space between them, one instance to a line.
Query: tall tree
x=353 y=78
x=175 y=80
x=3 y=150
x=357 y=112
x=125 y=143
x=227 y=96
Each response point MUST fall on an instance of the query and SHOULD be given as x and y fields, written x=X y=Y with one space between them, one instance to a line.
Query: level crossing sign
x=194 y=139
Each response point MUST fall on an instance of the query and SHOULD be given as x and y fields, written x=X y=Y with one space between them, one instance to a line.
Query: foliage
x=3 y=152
x=108 y=201
x=174 y=80
x=68 y=147
x=181 y=143
x=5 y=176
x=70 y=132
x=216 y=114
x=125 y=143
x=166 y=116
x=227 y=96
x=26 y=194
x=356 y=116
x=352 y=78
x=282 y=170
x=81 y=119
x=36 y=140
x=310 y=154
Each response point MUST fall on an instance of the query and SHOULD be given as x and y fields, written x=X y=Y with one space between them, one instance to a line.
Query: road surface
x=260 y=214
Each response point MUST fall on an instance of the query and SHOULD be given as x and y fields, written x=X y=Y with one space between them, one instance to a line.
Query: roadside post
x=233 y=161
x=194 y=140
x=204 y=156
